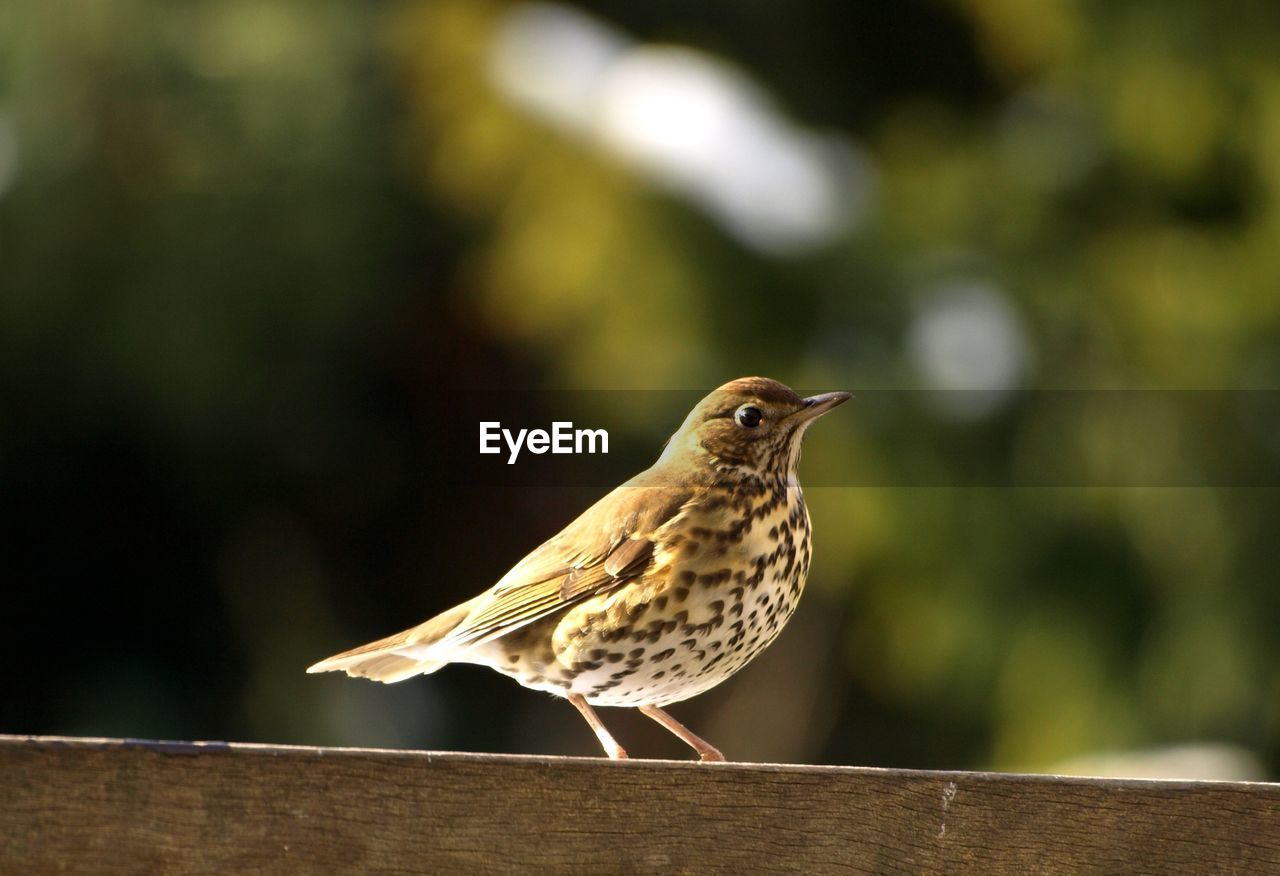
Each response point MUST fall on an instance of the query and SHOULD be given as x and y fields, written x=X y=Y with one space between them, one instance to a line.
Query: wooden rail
x=118 y=806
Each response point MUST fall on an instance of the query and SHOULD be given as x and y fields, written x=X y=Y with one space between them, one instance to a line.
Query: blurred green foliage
x=247 y=248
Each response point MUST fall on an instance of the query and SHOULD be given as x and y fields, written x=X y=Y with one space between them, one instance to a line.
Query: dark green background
x=248 y=249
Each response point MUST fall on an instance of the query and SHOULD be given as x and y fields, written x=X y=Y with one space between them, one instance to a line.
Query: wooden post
x=118 y=806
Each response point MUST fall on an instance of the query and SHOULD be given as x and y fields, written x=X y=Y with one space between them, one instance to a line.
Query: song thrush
x=661 y=590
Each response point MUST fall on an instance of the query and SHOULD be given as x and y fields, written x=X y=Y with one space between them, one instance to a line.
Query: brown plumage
x=659 y=591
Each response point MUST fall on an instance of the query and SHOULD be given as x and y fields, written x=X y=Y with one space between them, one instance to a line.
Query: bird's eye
x=748 y=416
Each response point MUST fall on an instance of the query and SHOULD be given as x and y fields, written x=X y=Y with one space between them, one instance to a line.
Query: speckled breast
x=726 y=578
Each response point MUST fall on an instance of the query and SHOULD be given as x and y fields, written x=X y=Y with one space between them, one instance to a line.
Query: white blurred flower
x=687 y=119
x=968 y=341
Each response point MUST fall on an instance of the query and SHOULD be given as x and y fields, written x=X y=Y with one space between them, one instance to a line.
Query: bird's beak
x=817 y=405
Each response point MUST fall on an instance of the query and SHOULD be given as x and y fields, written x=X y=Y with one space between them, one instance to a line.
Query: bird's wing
x=607 y=546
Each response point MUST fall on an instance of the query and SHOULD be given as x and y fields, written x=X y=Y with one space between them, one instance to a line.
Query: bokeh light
x=251 y=252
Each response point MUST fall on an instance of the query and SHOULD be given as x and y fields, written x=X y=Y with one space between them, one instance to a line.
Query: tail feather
x=399 y=656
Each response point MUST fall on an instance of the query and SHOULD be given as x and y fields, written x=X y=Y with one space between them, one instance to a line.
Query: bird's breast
x=725 y=579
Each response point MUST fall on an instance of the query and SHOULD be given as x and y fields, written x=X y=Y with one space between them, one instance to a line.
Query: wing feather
x=607 y=546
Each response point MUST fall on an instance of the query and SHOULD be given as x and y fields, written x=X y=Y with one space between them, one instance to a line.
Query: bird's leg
x=706 y=751
x=611 y=746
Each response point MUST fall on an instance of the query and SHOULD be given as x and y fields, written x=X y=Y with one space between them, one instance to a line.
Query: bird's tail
x=399 y=656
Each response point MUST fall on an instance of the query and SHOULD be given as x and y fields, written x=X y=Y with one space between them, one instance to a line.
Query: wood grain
x=116 y=806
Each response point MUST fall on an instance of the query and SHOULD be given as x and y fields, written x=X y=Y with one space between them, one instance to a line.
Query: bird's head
x=752 y=424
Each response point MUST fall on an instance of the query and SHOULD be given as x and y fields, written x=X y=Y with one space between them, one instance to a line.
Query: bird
x=661 y=590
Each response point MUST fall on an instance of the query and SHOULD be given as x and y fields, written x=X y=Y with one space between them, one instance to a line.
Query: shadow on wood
x=105 y=806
